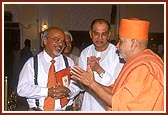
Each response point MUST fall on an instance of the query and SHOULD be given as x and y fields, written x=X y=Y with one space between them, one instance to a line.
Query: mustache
x=121 y=60
x=59 y=47
x=101 y=41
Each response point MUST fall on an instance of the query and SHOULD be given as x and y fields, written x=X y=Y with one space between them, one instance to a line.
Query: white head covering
x=69 y=34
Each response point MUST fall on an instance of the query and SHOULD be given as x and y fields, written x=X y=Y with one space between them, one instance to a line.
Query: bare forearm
x=103 y=92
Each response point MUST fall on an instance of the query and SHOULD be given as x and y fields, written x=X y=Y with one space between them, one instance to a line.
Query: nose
x=61 y=42
x=99 y=36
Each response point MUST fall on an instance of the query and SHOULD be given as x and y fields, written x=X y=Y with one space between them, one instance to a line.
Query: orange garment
x=140 y=85
x=134 y=28
x=49 y=102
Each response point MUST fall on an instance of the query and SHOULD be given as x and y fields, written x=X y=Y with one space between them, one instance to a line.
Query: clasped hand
x=58 y=92
x=93 y=61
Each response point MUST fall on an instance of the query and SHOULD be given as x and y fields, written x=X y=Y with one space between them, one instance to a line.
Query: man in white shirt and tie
x=54 y=42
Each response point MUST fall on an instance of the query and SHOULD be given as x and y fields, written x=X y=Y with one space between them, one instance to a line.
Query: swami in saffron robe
x=140 y=84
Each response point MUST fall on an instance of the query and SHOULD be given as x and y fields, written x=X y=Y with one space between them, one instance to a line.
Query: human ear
x=90 y=33
x=109 y=35
x=133 y=44
x=45 y=41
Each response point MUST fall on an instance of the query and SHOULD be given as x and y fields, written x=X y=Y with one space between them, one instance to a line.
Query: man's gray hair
x=43 y=35
x=69 y=34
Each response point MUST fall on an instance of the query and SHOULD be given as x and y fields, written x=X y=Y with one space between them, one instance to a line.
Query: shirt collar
x=48 y=58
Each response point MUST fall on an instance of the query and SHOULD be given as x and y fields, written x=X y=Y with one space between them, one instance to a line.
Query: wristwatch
x=101 y=75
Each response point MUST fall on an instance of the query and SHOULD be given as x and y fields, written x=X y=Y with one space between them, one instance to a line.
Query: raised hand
x=85 y=77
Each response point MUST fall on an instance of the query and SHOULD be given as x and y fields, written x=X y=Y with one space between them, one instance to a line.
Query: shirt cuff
x=44 y=91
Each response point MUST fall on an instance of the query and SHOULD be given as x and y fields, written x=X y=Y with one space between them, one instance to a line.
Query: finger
x=61 y=95
x=79 y=69
x=98 y=59
x=58 y=94
x=73 y=71
x=67 y=90
x=76 y=71
x=88 y=62
x=92 y=57
x=90 y=71
x=76 y=78
x=58 y=84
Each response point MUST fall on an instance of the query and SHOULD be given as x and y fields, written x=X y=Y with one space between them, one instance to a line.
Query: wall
x=80 y=16
x=77 y=17
x=65 y=16
x=27 y=16
x=152 y=12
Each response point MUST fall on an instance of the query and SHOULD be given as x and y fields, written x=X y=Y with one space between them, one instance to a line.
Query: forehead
x=100 y=27
x=56 y=33
x=67 y=38
x=125 y=40
x=100 y=23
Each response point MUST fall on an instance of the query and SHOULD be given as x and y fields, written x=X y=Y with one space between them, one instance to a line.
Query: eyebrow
x=102 y=32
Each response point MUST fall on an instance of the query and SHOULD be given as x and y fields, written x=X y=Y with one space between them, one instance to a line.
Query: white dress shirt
x=110 y=63
x=27 y=88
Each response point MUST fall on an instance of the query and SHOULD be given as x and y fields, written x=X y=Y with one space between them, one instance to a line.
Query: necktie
x=49 y=102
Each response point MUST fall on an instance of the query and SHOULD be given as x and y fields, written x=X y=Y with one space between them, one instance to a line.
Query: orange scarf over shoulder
x=140 y=84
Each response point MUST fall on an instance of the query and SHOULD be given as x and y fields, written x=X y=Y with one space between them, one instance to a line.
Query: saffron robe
x=140 y=85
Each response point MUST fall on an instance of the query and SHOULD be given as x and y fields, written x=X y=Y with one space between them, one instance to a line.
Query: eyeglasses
x=57 y=40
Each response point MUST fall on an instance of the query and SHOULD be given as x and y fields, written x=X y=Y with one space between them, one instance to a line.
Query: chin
x=56 y=53
x=98 y=45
